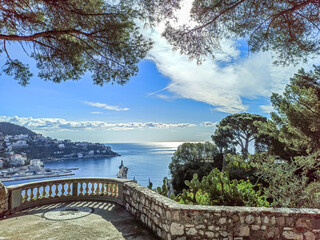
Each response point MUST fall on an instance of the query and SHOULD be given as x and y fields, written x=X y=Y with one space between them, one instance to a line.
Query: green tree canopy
x=237 y=130
x=296 y=120
x=289 y=28
x=192 y=158
x=70 y=37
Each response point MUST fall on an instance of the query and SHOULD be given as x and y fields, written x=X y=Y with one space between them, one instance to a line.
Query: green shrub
x=218 y=189
x=293 y=184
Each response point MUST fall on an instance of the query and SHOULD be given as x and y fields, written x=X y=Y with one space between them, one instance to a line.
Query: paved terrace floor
x=77 y=220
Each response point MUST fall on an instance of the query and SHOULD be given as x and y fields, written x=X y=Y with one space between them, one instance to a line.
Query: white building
x=7 y=137
x=9 y=148
x=58 y=152
x=80 y=155
x=91 y=152
x=61 y=146
x=21 y=136
x=17 y=160
x=20 y=143
x=36 y=163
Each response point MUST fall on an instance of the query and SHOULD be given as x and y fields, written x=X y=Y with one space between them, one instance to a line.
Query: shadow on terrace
x=77 y=220
x=70 y=209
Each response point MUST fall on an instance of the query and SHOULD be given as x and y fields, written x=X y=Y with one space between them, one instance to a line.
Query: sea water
x=144 y=160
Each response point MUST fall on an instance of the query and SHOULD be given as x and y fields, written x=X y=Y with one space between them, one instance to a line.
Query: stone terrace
x=76 y=220
x=165 y=218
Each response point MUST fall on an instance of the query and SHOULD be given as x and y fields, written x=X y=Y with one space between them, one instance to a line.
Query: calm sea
x=144 y=160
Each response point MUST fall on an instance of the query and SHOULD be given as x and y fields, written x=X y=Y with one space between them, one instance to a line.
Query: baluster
x=114 y=190
x=112 y=186
x=81 y=189
x=111 y=189
x=38 y=193
x=87 y=189
x=102 y=189
x=108 y=189
x=98 y=188
x=117 y=190
x=31 y=194
x=50 y=191
x=92 y=188
x=69 y=189
x=62 y=190
x=44 y=192
x=57 y=190
x=25 y=197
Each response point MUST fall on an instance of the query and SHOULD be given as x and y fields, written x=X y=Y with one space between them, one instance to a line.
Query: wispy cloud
x=208 y=124
x=105 y=106
x=150 y=94
x=50 y=124
x=96 y=112
x=166 y=97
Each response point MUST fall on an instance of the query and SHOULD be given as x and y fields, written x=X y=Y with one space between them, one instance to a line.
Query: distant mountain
x=12 y=129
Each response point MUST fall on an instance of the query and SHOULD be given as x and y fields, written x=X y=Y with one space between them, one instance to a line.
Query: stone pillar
x=3 y=199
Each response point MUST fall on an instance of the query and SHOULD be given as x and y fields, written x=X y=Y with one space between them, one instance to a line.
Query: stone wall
x=3 y=199
x=171 y=220
x=152 y=209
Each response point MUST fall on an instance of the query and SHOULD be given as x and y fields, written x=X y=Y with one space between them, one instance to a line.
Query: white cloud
x=62 y=124
x=96 y=112
x=166 y=97
x=208 y=124
x=267 y=108
x=223 y=82
x=105 y=106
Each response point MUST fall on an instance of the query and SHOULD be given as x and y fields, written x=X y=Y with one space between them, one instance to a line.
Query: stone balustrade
x=65 y=190
x=166 y=218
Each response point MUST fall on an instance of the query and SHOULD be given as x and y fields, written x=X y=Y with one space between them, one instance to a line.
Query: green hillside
x=13 y=129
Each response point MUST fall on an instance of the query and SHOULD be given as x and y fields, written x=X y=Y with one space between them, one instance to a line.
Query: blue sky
x=45 y=106
x=170 y=99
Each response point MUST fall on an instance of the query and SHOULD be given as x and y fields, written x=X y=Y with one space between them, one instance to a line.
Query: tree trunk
x=244 y=150
x=224 y=163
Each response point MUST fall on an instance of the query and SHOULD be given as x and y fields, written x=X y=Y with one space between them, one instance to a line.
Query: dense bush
x=218 y=189
x=290 y=184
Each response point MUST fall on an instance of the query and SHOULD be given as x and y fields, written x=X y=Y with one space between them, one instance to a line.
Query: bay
x=144 y=160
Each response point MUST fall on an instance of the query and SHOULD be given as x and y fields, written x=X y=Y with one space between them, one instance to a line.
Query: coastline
x=143 y=160
x=84 y=157
x=34 y=177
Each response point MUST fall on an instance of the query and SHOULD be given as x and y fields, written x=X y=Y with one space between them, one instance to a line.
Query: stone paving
x=77 y=220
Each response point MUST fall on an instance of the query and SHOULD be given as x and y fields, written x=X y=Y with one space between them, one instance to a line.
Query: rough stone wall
x=171 y=220
x=3 y=199
x=152 y=209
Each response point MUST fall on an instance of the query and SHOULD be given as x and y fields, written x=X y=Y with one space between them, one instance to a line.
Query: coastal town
x=35 y=169
x=22 y=155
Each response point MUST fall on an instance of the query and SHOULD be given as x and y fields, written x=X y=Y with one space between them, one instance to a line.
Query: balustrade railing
x=62 y=190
